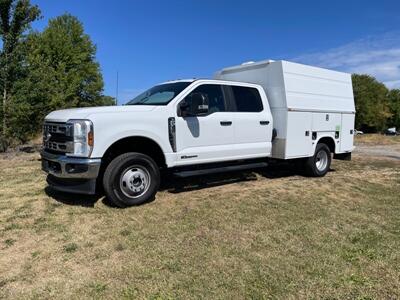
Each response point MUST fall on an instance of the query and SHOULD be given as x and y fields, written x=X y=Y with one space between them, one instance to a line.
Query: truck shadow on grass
x=275 y=171
x=177 y=185
x=72 y=199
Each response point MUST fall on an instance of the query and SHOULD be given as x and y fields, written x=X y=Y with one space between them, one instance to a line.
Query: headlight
x=82 y=133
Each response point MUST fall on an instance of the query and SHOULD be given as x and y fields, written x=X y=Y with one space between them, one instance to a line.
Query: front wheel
x=131 y=179
x=319 y=164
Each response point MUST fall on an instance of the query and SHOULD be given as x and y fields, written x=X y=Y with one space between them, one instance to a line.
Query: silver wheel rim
x=321 y=161
x=135 y=181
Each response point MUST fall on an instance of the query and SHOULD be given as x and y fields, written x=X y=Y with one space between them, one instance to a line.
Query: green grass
x=288 y=236
x=71 y=247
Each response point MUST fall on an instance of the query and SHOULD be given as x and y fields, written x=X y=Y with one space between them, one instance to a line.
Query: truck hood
x=84 y=113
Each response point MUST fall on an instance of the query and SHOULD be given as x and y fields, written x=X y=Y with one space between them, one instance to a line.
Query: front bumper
x=62 y=166
x=70 y=174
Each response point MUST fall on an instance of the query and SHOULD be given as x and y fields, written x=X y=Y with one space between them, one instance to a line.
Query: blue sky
x=148 y=42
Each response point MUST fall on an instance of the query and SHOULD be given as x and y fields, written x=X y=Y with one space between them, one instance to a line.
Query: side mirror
x=195 y=104
x=184 y=109
x=199 y=103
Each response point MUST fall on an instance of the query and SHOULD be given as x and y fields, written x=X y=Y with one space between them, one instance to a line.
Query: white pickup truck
x=244 y=117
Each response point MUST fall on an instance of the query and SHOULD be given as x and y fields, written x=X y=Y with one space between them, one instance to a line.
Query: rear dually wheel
x=319 y=164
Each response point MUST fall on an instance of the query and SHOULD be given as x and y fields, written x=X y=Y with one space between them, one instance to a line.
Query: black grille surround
x=58 y=138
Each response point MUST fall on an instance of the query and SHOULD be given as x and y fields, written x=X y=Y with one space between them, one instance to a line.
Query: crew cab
x=245 y=116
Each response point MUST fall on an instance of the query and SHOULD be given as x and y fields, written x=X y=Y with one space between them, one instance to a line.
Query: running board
x=221 y=169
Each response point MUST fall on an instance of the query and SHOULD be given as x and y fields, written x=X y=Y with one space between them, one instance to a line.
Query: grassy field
x=377 y=139
x=261 y=235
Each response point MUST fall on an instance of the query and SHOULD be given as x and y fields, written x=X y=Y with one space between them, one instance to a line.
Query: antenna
x=116 y=92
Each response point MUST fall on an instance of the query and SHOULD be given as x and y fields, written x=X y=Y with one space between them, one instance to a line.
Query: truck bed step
x=216 y=170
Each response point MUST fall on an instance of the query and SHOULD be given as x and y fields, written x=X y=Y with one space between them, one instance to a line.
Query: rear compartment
x=307 y=104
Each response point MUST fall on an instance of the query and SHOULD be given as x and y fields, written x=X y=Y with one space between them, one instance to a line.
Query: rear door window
x=247 y=99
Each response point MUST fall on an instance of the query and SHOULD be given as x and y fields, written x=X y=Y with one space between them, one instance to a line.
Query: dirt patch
x=379 y=146
x=387 y=151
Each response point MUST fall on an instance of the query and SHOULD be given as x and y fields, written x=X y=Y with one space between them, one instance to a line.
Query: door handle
x=226 y=123
x=264 y=122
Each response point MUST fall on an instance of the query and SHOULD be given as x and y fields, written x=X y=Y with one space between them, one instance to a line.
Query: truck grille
x=57 y=138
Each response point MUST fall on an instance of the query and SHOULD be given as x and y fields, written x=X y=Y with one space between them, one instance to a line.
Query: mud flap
x=342 y=156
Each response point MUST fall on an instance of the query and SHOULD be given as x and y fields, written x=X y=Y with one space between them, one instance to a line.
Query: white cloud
x=378 y=56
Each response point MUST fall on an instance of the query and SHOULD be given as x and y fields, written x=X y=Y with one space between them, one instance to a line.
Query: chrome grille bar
x=57 y=137
x=60 y=147
x=60 y=128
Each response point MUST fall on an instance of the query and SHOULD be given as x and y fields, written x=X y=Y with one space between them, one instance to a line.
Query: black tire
x=312 y=167
x=120 y=176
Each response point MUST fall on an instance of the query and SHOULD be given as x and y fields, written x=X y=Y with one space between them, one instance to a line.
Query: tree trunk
x=5 y=79
x=4 y=111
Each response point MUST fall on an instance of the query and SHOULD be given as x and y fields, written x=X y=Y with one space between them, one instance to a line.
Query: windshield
x=160 y=94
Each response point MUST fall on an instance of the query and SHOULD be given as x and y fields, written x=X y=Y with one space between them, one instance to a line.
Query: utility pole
x=116 y=93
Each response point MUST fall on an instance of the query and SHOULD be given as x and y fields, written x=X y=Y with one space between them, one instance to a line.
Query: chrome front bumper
x=62 y=166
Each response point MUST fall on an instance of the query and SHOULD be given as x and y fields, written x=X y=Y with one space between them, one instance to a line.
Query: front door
x=207 y=137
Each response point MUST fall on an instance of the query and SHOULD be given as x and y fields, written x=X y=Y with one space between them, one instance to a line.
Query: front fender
x=101 y=147
x=111 y=128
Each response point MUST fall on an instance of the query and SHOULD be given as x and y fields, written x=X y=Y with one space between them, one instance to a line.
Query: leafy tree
x=60 y=72
x=372 y=109
x=394 y=105
x=15 y=18
x=106 y=101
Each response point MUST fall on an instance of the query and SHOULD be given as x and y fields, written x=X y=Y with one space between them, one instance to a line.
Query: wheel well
x=135 y=144
x=329 y=142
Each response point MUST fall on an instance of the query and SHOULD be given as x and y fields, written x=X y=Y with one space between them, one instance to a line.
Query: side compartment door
x=347 y=133
x=208 y=137
x=253 y=122
x=326 y=122
x=299 y=141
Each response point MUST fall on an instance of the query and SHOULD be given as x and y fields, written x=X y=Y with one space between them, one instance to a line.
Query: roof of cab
x=221 y=81
x=178 y=80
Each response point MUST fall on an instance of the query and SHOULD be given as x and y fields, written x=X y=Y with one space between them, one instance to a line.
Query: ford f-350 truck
x=246 y=116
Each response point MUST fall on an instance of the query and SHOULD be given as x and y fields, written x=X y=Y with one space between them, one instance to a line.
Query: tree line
x=377 y=107
x=43 y=71
x=57 y=68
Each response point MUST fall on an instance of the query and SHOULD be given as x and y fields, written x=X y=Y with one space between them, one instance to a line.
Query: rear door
x=252 y=122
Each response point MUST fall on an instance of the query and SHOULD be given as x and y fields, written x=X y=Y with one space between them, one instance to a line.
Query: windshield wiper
x=142 y=101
